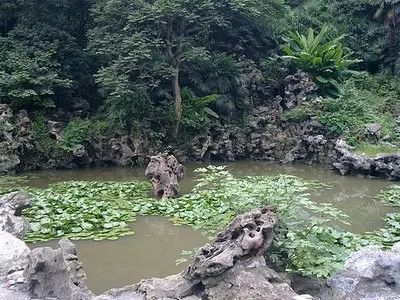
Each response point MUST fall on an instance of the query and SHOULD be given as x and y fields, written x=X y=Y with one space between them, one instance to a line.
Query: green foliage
x=365 y=36
x=305 y=241
x=364 y=99
x=83 y=210
x=197 y=113
x=80 y=131
x=390 y=195
x=390 y=234
x=375 y=149
x=77 y=131
x=327 y=61
x=28 y=79
x=40 y=133
x=299 y=114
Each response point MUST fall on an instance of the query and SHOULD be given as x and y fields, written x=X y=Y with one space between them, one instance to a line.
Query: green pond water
x=156 y=245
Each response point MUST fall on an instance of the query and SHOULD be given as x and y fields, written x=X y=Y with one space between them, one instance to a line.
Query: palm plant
x=327 y=61
x=389 y=12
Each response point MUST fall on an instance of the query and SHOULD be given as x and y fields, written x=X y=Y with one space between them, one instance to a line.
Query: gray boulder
x=50 y=274
x=165 y=173
x=11 y=206
x=8 y=163
x=13 y=254
x=346 y=161
x=232 y=267
x=368 y=274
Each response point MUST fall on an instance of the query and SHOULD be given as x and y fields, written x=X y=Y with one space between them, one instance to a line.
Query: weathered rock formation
x=346 y=161
x=232 y=267
x=297 y=89
x=13 y=254
x=55 y=273
x=265 y=137
x=165 y=173
x=11 y=206
x=367 y=274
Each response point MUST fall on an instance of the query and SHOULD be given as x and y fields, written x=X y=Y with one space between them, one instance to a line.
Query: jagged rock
x=47 y=275
x=54 y=128
x=373 y=130
x=232 y=267
x=13 y=254
x=165 y=173
x=74 y=266
x=368 y=274
x=8 y=163
x=345 y=161
x=11 y=206
x=297 y=89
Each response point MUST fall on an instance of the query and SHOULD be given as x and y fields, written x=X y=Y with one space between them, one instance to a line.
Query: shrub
x=327 y=61
x=364 y=99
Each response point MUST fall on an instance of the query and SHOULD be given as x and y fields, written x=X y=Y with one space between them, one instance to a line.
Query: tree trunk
x=176 y=89
x=393 y=46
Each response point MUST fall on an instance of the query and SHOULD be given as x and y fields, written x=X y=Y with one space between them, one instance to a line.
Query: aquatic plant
x=305 y=241
x=390 y=195
x=84 y=210
x=390 y=234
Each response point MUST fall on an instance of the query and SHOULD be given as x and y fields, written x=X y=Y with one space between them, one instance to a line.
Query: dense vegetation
x=177 y=66
x=305 y=242
x=174 y=68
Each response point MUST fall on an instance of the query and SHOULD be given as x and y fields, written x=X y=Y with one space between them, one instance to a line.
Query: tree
x=389 y=11
x=150 y=46
x=29 y=79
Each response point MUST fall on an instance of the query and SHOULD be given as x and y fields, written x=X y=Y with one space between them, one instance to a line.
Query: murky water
x=157 y=243
x=151 y=252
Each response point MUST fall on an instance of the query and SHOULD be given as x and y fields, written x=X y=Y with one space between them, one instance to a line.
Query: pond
x=156 y=245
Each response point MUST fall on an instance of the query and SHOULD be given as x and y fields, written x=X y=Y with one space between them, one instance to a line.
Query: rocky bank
x=267 y=135
x=232 y=267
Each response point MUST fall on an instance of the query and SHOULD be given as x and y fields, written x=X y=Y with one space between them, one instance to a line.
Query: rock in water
x=368 y=274
x=231 y=268
x=11 y=206
x=165 y=173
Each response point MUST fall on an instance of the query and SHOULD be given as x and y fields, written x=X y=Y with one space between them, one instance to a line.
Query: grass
x=375 y=149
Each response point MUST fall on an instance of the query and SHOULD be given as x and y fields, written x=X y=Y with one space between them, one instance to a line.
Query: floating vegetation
x=102 y=210
x=84 y=210
x=390 y=196
x=390 y=234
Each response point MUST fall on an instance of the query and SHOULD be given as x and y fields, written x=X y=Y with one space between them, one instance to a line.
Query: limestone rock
x=8 y=163
x=165 y=173
x=232 y=268
x=13 y=253
x=74 y=266
x=345 y=161
x=368 y=274
x=297 y=89
x=11 y=206
x=47 y=276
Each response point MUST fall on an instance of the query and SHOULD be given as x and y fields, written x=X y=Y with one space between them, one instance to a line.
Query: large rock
x=55 y=274
x=13 y=253
x=297 y=89
x=346 y=161
x=11 y=220
x=165 y=173
x=232 y=267
x=368 y=274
